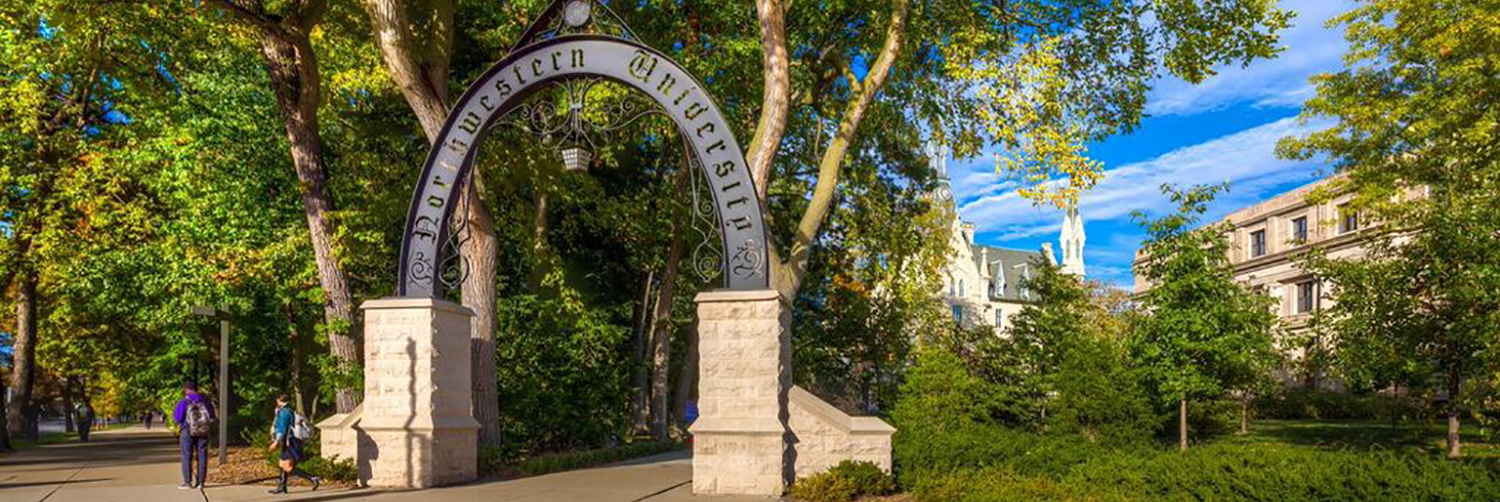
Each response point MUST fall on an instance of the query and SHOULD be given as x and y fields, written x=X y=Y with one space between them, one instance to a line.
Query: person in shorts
x=283 y=436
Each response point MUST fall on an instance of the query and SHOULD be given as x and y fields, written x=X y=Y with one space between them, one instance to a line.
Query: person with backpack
x=288 y=433
x=195 y=419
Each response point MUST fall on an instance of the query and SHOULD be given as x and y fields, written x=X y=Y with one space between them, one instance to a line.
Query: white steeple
x=1072 y=242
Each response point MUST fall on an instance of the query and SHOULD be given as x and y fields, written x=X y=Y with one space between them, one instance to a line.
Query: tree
x=1414 y=136
x=1205 y=333
x=1043 y=77
x=284 y=32
x=1075 y=350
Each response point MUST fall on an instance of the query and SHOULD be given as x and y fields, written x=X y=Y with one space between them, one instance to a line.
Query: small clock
x=576 y=12
x=944 y=193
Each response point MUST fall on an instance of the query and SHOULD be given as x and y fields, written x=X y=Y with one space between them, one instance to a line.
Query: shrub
x=339 y=469
x=1299 y=403
x=920 y=453
x=844 y=482
x=493 y=461
x=1001 y=484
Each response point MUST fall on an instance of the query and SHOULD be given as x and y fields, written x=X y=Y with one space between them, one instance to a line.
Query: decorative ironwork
x=570 y=118
x=575 y=17
x=575 y=64
x=455 y=267
x=707 y=259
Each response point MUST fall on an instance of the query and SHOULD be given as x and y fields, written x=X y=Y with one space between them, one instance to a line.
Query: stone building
x=985 y=285
x=1265 y=242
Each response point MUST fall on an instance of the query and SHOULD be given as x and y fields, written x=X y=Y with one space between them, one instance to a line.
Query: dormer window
x=1025 y=275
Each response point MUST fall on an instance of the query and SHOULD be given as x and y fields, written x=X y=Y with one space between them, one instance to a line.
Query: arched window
x=961 y=291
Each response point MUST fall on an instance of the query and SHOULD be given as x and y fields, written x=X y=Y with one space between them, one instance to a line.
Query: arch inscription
x=524 y=71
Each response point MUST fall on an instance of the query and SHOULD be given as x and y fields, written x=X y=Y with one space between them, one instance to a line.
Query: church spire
x=1072 y=242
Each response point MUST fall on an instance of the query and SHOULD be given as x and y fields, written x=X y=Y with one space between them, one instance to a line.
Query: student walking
x=195 y=417
x=287 y=433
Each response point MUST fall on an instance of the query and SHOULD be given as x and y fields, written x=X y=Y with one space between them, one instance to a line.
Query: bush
x=844 y=482
x=920 y=454
x=493 y=461
x=339 y=469
x=1299 y=403
x=1220 y=472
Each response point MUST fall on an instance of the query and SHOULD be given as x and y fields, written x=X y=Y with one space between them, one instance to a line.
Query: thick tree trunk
x=479 y=295
x=23 y=356
x=294 y=77
x=1182 y=429
x=775 y=97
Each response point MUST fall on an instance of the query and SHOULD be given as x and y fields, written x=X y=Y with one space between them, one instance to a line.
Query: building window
x=961 y=288
x=1348 y=220
x=1307 y=297
x=951 y=285
x=1299 y=230
x=999 y=317
x=958 y=314
x=1258 y=243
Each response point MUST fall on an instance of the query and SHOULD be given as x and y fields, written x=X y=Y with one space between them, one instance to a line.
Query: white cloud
x=1246 y=159
x=1311 y=48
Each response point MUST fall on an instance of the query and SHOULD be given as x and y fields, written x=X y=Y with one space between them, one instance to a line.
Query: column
x=417 y=429
x=740 y=441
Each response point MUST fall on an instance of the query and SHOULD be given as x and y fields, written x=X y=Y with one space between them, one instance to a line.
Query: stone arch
x=523 y=72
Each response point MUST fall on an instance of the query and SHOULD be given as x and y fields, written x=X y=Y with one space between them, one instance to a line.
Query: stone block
x=823 y=436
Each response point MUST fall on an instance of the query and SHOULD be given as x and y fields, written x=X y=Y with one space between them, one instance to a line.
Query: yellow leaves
x=1042 y=144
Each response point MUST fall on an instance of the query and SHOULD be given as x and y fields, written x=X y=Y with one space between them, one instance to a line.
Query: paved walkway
x=135 y=465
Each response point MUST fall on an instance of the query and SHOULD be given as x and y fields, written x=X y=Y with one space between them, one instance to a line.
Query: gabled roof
x=1006 y=267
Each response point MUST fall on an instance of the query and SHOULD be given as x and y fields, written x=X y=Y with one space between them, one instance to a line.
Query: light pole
x=223 y=318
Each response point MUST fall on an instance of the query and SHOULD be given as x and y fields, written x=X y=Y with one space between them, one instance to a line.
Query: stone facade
x=740 y=440
x=1265 y=242
x=825 y=436
x=415 y=428
x=984 y=285
x=756 y=432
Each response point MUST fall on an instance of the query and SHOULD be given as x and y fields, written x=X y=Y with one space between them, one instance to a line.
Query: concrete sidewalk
x=135 y=465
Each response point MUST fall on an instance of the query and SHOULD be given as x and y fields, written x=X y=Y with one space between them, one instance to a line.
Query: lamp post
x=223 y=318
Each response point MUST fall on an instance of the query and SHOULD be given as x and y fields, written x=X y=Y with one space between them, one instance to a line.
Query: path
x=135 y=465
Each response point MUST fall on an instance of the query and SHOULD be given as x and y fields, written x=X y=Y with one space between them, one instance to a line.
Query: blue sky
x=1224 y=129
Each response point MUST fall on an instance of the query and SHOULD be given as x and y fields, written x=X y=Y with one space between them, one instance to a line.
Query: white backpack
x=300 y=429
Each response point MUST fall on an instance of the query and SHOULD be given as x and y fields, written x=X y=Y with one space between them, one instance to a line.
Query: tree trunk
x=4 y=431
x=640 y=406
x=23 y=356
x=479 y=295
x=1182 y=430
x=775 y=96
x=294 y=77
x=67 y=398
x=1245 y=414
x=1455 y=447
x=687 y=377
x=661 y=337
x=787 y=278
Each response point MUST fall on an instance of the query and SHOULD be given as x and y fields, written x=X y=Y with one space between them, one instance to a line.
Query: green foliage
x=941 y=394
x=1226 y=472
x=561 y=375
x=1205 y=334
x=337 y=469
x=1075 y=350
x=493 y=459
x=923 y=454
x=847 y=481
x=1301 y=403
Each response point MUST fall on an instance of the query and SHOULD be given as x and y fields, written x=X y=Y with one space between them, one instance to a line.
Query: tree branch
x=789 y=277
x=776 y=95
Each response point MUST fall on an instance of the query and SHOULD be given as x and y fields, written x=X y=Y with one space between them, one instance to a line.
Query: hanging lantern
x=575 y=157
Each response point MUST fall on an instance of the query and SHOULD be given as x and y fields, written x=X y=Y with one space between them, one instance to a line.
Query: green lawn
x=1415 y=436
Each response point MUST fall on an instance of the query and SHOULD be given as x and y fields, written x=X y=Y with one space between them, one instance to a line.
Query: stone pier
x=415 y=428
x=741 y=440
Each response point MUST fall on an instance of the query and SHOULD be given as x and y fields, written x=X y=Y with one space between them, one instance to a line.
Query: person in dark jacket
x=190 y=443
x=283 y=436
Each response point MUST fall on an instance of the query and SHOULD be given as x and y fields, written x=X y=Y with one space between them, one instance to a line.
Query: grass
x=1414 y=436
x=22 y=444
x=557 y=462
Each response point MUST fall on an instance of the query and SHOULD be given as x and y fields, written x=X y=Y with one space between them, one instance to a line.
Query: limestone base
x=739 y=457
x=825 y=436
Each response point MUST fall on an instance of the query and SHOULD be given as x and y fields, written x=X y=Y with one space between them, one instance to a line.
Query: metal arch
x=630 y=63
